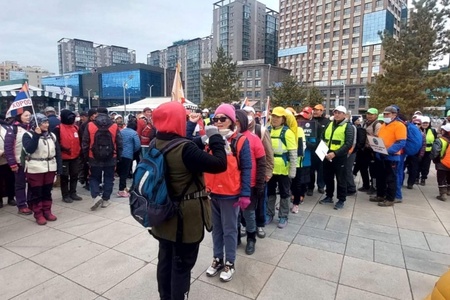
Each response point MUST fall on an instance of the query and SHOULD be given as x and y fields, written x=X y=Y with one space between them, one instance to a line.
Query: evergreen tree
x=292 y=93
x=289 y=93
x=220 y=84
x=406 y=80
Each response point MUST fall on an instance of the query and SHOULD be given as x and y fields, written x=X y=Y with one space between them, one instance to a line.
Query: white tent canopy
x=153 y=103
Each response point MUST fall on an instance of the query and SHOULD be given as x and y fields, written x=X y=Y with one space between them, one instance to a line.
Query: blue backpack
x=414 y=139
x=150 y=202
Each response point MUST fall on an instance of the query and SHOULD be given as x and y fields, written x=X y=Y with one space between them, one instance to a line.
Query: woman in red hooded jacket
x=185 y=165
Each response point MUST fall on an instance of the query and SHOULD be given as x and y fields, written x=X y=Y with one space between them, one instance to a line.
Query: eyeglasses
x=221 y=119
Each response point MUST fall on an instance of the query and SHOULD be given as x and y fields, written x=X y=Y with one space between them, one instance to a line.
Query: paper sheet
x=322 y=150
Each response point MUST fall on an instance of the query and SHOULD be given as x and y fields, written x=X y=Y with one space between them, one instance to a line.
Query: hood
x=67 y=117
x=103 y=120
x=170 y=117
x=241 y=116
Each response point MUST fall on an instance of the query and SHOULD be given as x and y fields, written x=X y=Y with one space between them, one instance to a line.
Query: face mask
x=387 y=120
x=224 y=132
x=77 y=119
x=250 y=119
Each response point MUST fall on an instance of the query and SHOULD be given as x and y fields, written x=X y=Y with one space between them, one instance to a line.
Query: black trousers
x=123 y=169
x=316 y=165
x=443 y=178
x=424 y=166
x=336 y=168
x=412 y=163
x=387 y=179
x=365 y=160
x=7 y=182
x=69 y=176
x=174 y=269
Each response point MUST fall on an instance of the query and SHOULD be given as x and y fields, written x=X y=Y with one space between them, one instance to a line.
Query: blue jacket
x=131 y=142
x=310 y=141
x=53 y=121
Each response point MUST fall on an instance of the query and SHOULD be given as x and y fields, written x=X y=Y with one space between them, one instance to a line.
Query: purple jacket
x=10 y=143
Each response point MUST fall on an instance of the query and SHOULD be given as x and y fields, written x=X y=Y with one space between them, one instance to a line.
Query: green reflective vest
x=335 y=136
x=429 y=140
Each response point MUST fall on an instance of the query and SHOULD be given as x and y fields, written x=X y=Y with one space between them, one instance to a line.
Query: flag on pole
x=266 y=112
x=245 y=103
x=177 y=88
x=22 y=100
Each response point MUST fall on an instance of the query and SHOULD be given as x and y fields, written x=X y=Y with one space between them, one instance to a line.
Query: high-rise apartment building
x=335 y=44
x=192 y=56
x=78 y=55
x=246 y=30
x=11 y=70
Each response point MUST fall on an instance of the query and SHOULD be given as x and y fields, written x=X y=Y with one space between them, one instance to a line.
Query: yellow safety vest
x=335 y=138
x=429 y=140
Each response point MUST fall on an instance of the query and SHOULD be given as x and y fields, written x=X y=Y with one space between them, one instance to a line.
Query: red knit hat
x=228 y=110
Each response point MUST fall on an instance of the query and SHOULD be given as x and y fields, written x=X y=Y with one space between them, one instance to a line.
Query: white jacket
x=43 y=160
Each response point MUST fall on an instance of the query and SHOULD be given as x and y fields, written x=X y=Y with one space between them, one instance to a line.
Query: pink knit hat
x=228 y=110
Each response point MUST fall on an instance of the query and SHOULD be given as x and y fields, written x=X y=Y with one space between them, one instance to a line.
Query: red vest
x=69 y=139
x=92 y=128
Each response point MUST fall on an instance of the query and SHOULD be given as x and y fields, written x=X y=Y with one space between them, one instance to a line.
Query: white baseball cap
x=205 y=110
x=341 y=109
x=446 y=127
x=425 y=119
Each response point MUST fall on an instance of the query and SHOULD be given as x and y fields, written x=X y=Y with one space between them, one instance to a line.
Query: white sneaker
x=215 y=267
x=227 y=273
x=96 y=202
x=105 y=203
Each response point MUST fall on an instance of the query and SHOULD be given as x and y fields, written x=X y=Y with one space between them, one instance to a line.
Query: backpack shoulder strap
x=258 y=131
x=374 y=125
x=283 y=134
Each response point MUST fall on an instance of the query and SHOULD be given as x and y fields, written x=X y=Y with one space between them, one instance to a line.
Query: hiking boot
x=227 y=273
x=282 y=222
x=309 y=192
x=422 y=182
x=376 y=199
x=417 y=181
x=326 y=200
x=321 y=190
x=295 y=209
x=442 y=194
x=409 y=187
x=215 y=267
x=243 y=231
x=40 y=220
x=251 y=241
x=105 y=203
x=96 y=202
x=67 y=199
x=75 y=197
x=24 y=211
x=339 y=205
x=386 y=203
x=363 y=189
x=12 y=202
x=260 y=232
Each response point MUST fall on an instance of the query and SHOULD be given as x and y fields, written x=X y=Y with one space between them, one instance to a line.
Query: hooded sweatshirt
x=67 y=134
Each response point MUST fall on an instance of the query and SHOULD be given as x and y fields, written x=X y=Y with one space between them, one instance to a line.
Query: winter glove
x=204 y=139
x=243 y=202
x=211 y=130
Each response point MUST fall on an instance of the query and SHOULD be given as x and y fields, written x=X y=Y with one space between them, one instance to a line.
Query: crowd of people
x=234 y=165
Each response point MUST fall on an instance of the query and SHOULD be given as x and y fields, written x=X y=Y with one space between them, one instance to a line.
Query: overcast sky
x=30 y=29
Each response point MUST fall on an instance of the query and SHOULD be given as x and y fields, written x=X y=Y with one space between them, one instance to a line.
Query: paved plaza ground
x=361 y=252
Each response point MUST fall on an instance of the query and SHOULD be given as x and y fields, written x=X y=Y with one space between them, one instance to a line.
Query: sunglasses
x=221 y=119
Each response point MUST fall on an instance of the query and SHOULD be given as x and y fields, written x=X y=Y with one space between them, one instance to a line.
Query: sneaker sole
x=215 y=274
x=96 y=205
x=226 y=280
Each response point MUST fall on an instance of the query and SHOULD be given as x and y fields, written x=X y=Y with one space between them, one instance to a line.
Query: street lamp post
x=89 y=97
x=125 y=95
x=150 y=90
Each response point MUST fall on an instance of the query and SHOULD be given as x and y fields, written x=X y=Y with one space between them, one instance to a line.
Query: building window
x=335 y=53
x=353 y=71
x=368 y=6
x=346 y=31
x=352 y=93
x=257 y=73
x=249 y=83
x=241 y=83
x=257 y=83
x=376 y=58
x=356 y=19
x=249 y=73
x=356 y=30
x=364 y=59
x=344 y=72
x=257 y=94
x=354 y=61
x=364 y=70
x=249 y=94
x=355 y=40
x=344 y=61
x=347 y=11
